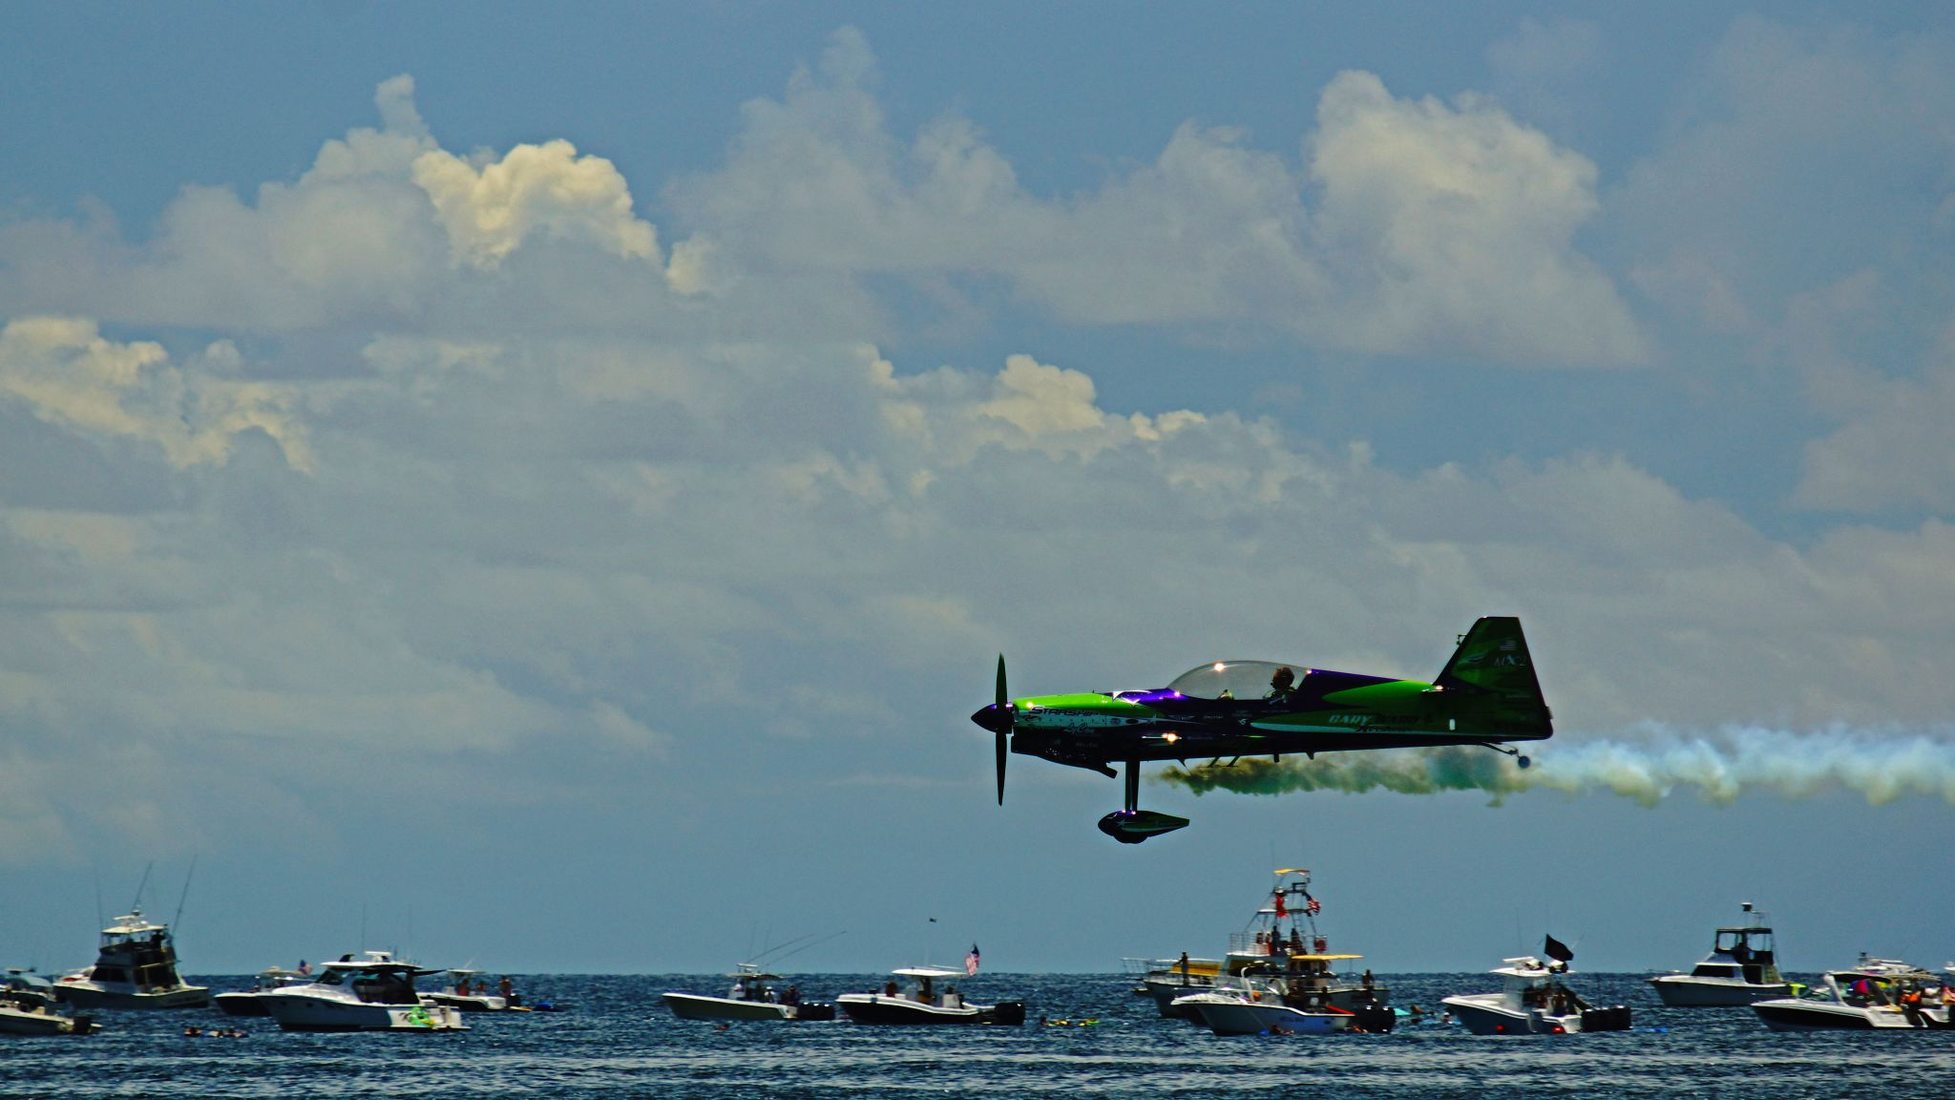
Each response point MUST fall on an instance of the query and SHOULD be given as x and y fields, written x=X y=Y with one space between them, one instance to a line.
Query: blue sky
x=516 y=482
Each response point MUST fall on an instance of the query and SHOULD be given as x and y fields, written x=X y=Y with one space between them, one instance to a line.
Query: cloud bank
x=469 y=457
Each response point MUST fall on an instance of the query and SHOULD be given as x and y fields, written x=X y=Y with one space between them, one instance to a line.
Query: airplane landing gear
x=1132 y=825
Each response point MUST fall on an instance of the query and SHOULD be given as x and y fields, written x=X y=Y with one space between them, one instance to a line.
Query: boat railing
x=1256 y=943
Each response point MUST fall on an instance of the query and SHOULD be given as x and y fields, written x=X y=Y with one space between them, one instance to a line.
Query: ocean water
x=615 y=1038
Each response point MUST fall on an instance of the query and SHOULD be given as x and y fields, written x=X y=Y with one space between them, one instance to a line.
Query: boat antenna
x=101 y=918
x=136 y=906
x=181 y=898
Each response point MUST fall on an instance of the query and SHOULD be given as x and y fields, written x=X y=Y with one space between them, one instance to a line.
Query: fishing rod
x=818 y=942
x=185 y=896
x=136 y=906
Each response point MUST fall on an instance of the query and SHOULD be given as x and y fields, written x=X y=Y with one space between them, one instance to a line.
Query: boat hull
x=873 y=1008
x=693 y=1006
x=1684 y=991
x=303 y=1012
x=1166 y=992
x=86 y=994
x=1227 y=1016
x=239 y=1004
x=1793 y=1014
x=14 y=1021
x=481 y=1002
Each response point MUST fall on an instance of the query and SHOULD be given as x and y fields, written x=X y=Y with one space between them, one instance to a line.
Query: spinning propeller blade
x=1004 y=727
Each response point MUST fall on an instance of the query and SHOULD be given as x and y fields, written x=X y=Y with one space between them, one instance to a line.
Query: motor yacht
x=372 y=993
x=1872 y=994
x=28 y=1007
x=135 y=967
x=1741 y=968
x=752 y=996
x=925 y=995
x=1534 y=999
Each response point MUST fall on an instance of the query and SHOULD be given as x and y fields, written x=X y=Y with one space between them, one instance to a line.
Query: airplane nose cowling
x=993 y=717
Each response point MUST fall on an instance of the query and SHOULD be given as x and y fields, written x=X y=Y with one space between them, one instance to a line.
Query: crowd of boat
x=136 y=968
x=1277 y=976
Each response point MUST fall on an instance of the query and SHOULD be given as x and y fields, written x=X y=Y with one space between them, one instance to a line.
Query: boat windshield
x=1739 y=943
x=1234 y=679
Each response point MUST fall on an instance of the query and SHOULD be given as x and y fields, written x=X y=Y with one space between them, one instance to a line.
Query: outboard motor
x=1007 y=1012
x=1375 y=1018
x=1613 y=1018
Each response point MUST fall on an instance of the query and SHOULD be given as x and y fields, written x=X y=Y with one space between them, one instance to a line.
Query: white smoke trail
x=1718 y=767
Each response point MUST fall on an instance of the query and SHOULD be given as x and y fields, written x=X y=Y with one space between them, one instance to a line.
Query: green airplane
x=1486 y=695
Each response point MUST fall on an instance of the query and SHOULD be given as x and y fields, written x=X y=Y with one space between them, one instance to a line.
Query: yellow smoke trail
x=1718 y=768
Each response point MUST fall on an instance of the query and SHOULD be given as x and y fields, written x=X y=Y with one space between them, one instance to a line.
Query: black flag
x=1557 y=950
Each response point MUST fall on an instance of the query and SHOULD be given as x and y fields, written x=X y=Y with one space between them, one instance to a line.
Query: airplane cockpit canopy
x=1233 y=679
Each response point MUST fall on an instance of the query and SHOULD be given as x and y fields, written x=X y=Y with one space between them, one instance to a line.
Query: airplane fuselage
x=1325 y=712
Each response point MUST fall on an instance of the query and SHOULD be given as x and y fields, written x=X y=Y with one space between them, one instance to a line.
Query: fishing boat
x=1534 y=999
x=925 y=995
x=1741 y=968
x=372 y=993
x=245 y=1002
x=752 y=996
x=28 y=1007
x=135 y=967
x=1872 y=994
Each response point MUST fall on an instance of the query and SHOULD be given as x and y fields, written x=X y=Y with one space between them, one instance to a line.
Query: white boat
x=373 y=993
x=1873 y=994
x=245 y=1002
x=925 y=995
x=28 y=1007
x=1533 y=1000
x=135 y=967
x=1301 y=955
x=1167 y=979
x=468 y=995
x=1741 y=968
x=751 y=997
x=1245 y=1005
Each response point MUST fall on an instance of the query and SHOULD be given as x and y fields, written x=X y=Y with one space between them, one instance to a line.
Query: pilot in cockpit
x=1281 y=682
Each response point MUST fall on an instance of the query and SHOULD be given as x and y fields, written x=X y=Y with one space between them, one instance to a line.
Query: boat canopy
x=927 y=972
x=129 y=926
x=1233 y=679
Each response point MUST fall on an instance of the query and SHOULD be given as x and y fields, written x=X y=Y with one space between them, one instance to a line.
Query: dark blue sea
x=614 y=1038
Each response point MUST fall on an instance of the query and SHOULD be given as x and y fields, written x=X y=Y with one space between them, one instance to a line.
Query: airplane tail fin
x=1493 y=664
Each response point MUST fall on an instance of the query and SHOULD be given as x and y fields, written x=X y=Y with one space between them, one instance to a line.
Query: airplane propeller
x=998 y=719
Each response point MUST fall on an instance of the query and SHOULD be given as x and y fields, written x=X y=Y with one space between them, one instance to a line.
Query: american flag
x=971 y=962
x=1313 y=907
